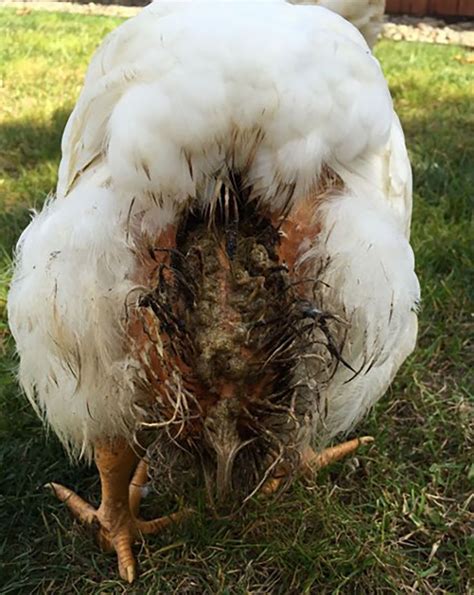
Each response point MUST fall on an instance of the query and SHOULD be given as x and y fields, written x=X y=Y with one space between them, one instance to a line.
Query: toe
x=139 y=480
x=156 y=525
x=126 y=560
x=312 y=461
x=81 y=509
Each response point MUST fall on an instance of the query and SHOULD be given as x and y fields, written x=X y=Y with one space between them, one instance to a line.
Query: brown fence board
x=433 y=7
x=447 y=7
x=418 y=6
x=466 y=8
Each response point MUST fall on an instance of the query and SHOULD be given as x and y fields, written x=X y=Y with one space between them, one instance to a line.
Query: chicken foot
x=116 y=517
x=312 y=461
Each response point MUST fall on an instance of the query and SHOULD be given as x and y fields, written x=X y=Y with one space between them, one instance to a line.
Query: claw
x=116 y=518
x=312 y=461
x=126 y=560
x=149 y=527
x=130 y=574
x=79 y=507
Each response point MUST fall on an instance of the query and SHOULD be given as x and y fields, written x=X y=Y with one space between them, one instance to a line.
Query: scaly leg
x=116 y=516
x=312 y=461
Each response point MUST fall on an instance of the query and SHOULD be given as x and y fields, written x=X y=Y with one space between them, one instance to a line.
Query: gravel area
x=429 y=30
x=406 y=28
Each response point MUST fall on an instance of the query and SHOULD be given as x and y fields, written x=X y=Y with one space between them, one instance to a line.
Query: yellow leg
x=312 y=461
x=117 y=514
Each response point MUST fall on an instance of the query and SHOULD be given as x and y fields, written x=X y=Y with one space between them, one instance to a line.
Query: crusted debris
x=226 y=331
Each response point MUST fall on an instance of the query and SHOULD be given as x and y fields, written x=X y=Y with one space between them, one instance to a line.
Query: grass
x=394 y=520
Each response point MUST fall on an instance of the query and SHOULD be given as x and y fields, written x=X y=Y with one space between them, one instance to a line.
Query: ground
x=397 y=27
x=393 y=520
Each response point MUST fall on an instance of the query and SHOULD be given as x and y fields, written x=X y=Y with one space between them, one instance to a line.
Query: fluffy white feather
x=366 y=15
x=171 y=92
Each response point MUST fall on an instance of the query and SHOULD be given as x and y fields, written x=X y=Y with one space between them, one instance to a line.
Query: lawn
x=393 y=520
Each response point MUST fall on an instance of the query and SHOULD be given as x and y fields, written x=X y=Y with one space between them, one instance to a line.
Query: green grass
x=394 y=520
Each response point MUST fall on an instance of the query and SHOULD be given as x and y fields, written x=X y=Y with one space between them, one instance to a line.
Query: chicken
x=223 y=282
x=366 y=15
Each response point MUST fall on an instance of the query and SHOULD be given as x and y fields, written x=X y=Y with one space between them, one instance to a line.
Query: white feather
x=370 y=281
x=188 y=83
x=366 y=15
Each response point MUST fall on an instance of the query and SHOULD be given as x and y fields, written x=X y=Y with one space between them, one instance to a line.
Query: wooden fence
x=464 y=8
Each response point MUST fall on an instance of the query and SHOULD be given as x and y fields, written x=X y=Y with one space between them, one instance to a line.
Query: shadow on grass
x=29 y=156
x=26 y=143
x=439 y=139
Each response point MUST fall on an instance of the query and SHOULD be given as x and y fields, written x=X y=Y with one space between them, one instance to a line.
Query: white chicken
x=366 y=15
x=225 y=266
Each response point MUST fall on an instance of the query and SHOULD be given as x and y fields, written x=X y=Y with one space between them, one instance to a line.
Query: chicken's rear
x=233 y=340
